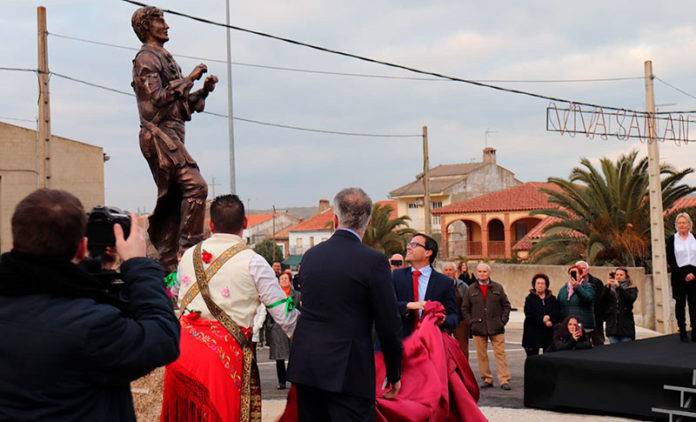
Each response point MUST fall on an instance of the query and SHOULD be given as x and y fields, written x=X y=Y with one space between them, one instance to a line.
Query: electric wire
x=381 y=62
x=360 y=75
x=16 y=119
x=676 y=88
x=242 y=119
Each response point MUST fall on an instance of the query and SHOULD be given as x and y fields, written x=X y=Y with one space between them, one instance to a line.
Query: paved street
x=492 y=397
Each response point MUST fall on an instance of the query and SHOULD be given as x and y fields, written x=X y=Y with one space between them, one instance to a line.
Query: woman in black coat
x=569 y=336
x=681 y=258
x=541 y=311
x=619 y=296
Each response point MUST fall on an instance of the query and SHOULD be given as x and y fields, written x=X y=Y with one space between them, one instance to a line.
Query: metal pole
x=657 y=229
x=44 y=123
x=273 y=242
x=230 y=115
x=426 y=184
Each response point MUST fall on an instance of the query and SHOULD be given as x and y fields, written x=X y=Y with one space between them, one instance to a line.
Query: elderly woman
x=681 y=258
x=278 y=342
x=541 y=312
x=569 y=335
x=618 y=298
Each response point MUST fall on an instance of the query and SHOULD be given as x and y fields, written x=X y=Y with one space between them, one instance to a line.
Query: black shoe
x=506 y=387
x=683 y=337
x=693 y=335
x=486 y=385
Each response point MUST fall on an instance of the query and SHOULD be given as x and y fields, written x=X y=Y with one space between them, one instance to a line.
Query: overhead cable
x=384 y=63
x=675 y=88
x=258 y=122
x=360 y=75
x=17 y=119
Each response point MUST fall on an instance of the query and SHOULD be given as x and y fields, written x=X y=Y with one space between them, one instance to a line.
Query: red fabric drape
x=437 y=383
x=204 y=383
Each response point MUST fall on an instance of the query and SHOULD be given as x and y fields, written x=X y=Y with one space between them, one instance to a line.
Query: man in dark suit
x=420 y=283
x=346 y=288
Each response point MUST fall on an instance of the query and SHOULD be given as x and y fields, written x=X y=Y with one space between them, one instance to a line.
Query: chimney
x=323 y=205
x=489 y=155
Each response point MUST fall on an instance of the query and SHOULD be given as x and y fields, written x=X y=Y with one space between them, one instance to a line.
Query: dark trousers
x=533 y=351
x=314 y=405
x=461 y=333
x=685 y=294
x=597 y=335
x=280 y=371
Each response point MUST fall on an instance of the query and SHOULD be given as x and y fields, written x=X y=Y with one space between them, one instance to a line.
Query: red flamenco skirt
x=204 y=383
x=437 y=383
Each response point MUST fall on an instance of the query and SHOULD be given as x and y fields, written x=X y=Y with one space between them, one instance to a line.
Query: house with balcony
x=451 y=183
x=488 y=226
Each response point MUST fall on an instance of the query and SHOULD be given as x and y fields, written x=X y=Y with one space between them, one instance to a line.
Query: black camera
x=100 y=228
x=100 y=235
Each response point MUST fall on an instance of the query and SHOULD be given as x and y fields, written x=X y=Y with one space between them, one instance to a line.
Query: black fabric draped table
x=625 y=379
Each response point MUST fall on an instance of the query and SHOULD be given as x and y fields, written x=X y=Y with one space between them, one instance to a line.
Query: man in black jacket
x=346 y=287
x=70 y=348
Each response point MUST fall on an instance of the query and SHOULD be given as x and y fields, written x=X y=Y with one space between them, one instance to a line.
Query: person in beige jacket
x=486 y=309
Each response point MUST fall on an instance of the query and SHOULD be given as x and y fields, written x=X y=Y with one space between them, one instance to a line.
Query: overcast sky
x=506 y=40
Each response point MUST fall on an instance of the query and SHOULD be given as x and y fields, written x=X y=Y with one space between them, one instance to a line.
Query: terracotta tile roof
x=517 y=198
x=537 y=233
x=395 y=207
x=321 y=221
x=254 y=219
x=317 y=222
x=685 y=202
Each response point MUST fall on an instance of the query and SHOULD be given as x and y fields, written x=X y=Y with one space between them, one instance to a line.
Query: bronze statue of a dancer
x=165 y=102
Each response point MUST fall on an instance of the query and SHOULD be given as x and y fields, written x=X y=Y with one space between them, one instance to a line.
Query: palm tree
x=388 y=236
x=604 y=216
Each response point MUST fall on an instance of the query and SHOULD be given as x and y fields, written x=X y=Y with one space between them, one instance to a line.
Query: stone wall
x=517 y=280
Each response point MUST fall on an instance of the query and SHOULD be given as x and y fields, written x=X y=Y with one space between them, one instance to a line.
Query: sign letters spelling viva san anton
x=622 y=124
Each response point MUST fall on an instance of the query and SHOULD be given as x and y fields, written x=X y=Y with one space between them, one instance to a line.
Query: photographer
x=70 y=347
x=569 y=335
x=576 y=297
x=619 y=296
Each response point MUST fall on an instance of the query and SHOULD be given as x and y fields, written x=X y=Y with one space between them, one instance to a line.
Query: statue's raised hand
x=198 y=71
x=209 y=84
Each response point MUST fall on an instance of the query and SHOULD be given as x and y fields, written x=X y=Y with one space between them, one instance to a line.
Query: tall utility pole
x=230 y=115
x=426 y=184
x=657 y=229
x=273 y=242
x=44 y=128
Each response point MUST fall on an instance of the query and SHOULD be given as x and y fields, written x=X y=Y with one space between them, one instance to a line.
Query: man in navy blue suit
x=420 y=283
x=346 y=288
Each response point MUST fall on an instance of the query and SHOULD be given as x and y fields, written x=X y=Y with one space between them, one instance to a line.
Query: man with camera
x=70 y=348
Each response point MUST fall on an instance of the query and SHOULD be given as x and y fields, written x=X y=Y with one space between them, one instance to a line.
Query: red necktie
x=416 y=273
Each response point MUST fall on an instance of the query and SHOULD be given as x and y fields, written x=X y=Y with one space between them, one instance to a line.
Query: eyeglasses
x=396 y=262
x=415 y=244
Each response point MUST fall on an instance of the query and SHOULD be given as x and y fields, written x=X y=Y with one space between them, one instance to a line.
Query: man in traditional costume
x=222 y=283
x=165 y=102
